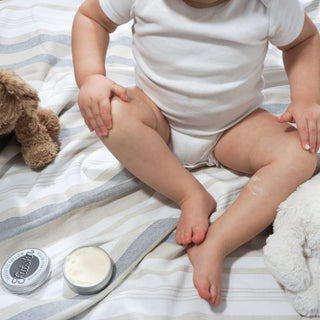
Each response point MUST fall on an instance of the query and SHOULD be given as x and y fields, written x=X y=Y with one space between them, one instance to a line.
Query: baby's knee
x=120 y=111
x=125 y=116
x=298 y=161
x=139 y=111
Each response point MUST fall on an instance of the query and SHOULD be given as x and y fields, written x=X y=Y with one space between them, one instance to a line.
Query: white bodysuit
x=203 y=66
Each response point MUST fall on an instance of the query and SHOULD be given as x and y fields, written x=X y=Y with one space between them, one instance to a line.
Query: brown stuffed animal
x=36 y=129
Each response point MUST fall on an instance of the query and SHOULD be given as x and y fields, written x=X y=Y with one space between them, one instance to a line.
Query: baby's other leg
x=271 y=152
x=139 y=140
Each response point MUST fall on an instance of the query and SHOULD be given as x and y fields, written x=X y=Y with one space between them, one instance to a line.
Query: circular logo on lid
x=26 y=270
x=24 y=266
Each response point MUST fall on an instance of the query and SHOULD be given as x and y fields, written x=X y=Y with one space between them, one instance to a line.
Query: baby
x=196 y=102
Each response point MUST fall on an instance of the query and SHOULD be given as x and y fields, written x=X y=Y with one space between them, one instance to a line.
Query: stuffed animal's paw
x=49 y=119
x=284 y=258
x=40 y=155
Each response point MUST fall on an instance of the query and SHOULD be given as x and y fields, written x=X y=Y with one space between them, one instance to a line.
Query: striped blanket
x=85 y=197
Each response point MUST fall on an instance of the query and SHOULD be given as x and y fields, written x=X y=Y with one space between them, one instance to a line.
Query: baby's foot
x=207 y=274
x=194 y=220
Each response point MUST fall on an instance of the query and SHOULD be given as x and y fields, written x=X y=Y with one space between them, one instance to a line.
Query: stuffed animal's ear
x=16 y=86
x=285 y=260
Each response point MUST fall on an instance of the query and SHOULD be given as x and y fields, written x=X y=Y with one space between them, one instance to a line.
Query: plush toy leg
x=50 y=121
x=284 y=258
x=307 y=302
x=38 y=148
x=40 y=155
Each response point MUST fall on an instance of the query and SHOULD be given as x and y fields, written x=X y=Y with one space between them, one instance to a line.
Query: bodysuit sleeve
x=286 y=19
x=118 y=11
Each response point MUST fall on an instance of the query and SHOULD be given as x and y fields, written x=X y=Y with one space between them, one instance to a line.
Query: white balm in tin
x=88 y=270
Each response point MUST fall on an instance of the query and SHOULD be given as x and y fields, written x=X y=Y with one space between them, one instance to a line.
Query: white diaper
x=194 y=151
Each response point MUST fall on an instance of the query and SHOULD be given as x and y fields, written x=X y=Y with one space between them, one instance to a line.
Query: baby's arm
x=302 y=63
x=90 y=39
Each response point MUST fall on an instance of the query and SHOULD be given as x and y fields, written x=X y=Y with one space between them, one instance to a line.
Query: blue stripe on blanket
x=33 y=42
x=155 y=233
x=119 y=184
x=138 y=249
x=120 y=60
x=58 y=62
x=58 y=38
x=121 y=41
x=44 y=58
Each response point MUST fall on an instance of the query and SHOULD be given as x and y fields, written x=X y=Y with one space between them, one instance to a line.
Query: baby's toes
x=203 y=288
x=183 y=235
x=208 y=291
x=215 y=296
x=199 y=233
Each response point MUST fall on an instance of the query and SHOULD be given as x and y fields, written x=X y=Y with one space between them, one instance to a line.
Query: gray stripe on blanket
x=152 y=236
x=44 y=58
x=138 y=249
x=35 y=41
x=58 y=62
x=58 y=38
x=119 y=184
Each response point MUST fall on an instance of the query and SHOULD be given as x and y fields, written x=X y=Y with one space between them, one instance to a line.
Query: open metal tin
x=88 y=270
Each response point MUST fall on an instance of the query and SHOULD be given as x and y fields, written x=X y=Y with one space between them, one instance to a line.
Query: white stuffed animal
x=292 y=252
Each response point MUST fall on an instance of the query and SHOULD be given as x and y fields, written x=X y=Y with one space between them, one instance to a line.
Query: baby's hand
x=307 y=119
x=94 y=102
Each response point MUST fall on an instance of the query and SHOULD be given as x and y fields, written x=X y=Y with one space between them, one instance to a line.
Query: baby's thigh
x=138 y=110
x=256 y=141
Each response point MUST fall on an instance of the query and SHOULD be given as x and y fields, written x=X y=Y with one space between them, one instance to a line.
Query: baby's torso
x=202 y=67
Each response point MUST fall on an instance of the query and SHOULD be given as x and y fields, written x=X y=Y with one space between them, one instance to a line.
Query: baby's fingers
x=309 y=135
x=318 y=137
x=313 y=136
x=303 y=130
x=286 y=117
x=93 y=120
x=90 y=118
x=87 y=116
x=105 y=112
x=100 y=112
x=119 y=91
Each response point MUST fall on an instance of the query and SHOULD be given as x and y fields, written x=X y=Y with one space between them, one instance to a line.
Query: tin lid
x=88 y=270
x=26 y=270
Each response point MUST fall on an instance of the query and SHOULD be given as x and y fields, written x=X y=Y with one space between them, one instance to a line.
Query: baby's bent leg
x=271 y=151
x=139 y=140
